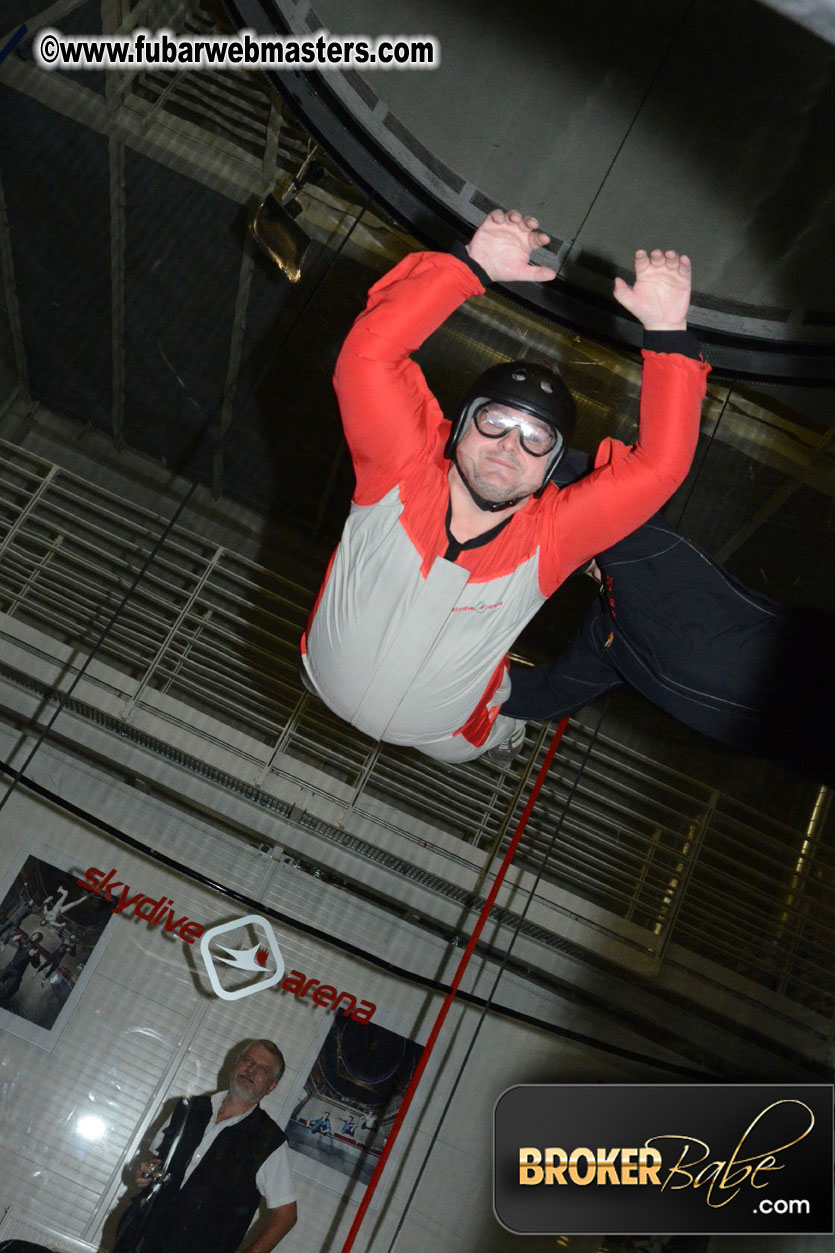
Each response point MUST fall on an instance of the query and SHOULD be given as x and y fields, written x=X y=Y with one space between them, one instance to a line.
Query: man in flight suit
x=457 y=536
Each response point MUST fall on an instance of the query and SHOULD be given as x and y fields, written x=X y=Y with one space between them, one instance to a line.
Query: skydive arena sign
x=233 y=971
x=261 y=965
x=680 y=1159
x=154 y=910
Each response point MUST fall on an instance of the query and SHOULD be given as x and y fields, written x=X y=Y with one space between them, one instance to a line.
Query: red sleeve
x=630 y=482
x=389 y=414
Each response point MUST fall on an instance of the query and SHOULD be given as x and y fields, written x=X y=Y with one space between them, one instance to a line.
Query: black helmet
x=523 y=385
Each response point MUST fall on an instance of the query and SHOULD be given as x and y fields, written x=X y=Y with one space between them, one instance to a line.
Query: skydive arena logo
x=248 y=960
x=685 y=1159
x=257 y=963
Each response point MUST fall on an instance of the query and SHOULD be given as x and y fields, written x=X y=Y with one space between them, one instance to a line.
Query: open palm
x=660 y=296
x=503 y=245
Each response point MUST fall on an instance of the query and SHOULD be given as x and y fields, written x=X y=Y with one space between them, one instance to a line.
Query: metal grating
x=235 y=111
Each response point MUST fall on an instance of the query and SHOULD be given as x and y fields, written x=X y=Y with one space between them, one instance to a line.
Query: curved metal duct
x=621 y=124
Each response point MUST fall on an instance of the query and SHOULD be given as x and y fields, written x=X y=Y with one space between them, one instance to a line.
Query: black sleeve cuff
x=673 y=341
x=459 y=250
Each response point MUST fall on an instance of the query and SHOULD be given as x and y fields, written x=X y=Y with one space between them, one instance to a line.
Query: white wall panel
x=41 y=1193
x=15 y=1227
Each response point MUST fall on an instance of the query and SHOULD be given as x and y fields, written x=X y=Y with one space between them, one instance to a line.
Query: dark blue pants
x=777 y=702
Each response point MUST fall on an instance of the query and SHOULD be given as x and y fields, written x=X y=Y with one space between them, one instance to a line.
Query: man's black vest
x=211 y=1211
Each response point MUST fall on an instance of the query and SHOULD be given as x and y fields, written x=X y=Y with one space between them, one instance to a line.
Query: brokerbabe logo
x=684 y=1159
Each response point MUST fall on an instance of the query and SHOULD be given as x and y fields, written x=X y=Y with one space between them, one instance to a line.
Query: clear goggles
x=535 y=436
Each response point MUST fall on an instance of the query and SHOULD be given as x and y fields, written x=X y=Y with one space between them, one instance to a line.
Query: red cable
x=456 y=982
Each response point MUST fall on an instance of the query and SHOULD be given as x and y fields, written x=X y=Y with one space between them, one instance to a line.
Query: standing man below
x=230 y=1153
x=456 y=536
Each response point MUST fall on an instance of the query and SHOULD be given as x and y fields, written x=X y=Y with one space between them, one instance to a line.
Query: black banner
x=578 y=1159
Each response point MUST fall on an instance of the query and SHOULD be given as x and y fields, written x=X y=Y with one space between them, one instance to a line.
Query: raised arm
x=630 y=483
x=389 y=414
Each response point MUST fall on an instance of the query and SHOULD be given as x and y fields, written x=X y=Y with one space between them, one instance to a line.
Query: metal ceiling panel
x=622 y=124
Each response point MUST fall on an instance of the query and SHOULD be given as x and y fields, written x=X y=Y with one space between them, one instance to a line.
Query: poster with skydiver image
x=341 y=1115
x=52 y=934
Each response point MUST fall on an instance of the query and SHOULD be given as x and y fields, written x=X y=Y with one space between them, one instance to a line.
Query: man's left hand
x=660 y=295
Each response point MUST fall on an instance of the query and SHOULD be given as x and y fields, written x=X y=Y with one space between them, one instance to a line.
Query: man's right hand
x=147 y=1171
x=503 y=244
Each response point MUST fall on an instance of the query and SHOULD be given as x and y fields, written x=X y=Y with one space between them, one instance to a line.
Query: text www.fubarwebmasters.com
x=163 y=49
